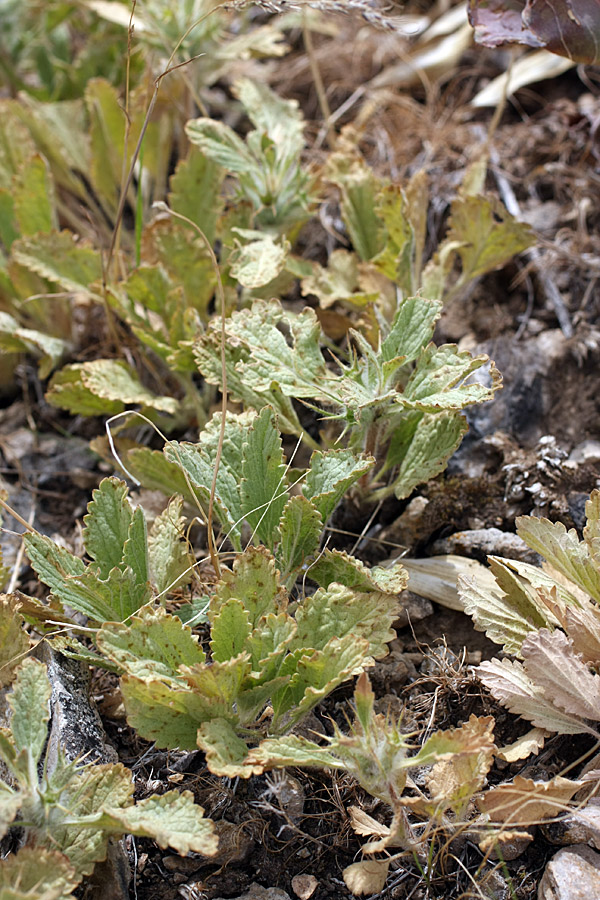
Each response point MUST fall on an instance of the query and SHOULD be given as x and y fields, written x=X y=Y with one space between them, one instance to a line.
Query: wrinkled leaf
x=153 y=644
x=171 y=819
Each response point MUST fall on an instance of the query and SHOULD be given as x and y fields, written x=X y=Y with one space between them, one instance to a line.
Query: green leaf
x=338 y=566
x=169 y=558
x=160 y=713
x=9 y=231
x=30 y=712
x=359 y=188
x=172 y=820
x=107 y=139
x=337 y=611
x=330 y=475
x=300 y=530
x=158 y=312
x=259 y=261
x=255 y=582
x=263 y=355
x=33 y=195
x=107 y=524
x=116 y=598
x=59 y=258
x=195 y=191
x=225 y=752
x=221 y=144
x=263 y=489
x=412 y=328
x=434 y=383
x=230 y=630
x=10 y=804
x=317 y=674
x=563 y=550
x=87 y=791
x=103 y=385
x=54 y=565
x=198 y=462
x=422 y=448
x=156 y=472
x=37 y=874
x=207 y=352
x=135 y=550
x=153 y=645
x=120 y=595
x=14 y=642
x=183 y=254
x=280 y=119
x=293 y=750
x=14 y=339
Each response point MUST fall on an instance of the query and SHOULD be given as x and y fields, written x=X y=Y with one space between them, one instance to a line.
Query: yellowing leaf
x=37 y=874
x=337 y=611
x=254 y=581
x=258 y=262
x=103 y=385
x=485 y=234
x=338 y=282
x=59 y=258
x=563 y=550
x=14 y=642
x=454 y=780
x=359 y=188
x=226 y=753
x=15 y=339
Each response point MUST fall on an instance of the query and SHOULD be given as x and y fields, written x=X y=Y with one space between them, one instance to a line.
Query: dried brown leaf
x=367 y=877
x=553 y=665
x=524 y=802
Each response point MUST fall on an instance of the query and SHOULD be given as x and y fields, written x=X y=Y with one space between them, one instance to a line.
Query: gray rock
x=573 y=874
x=483 y=542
